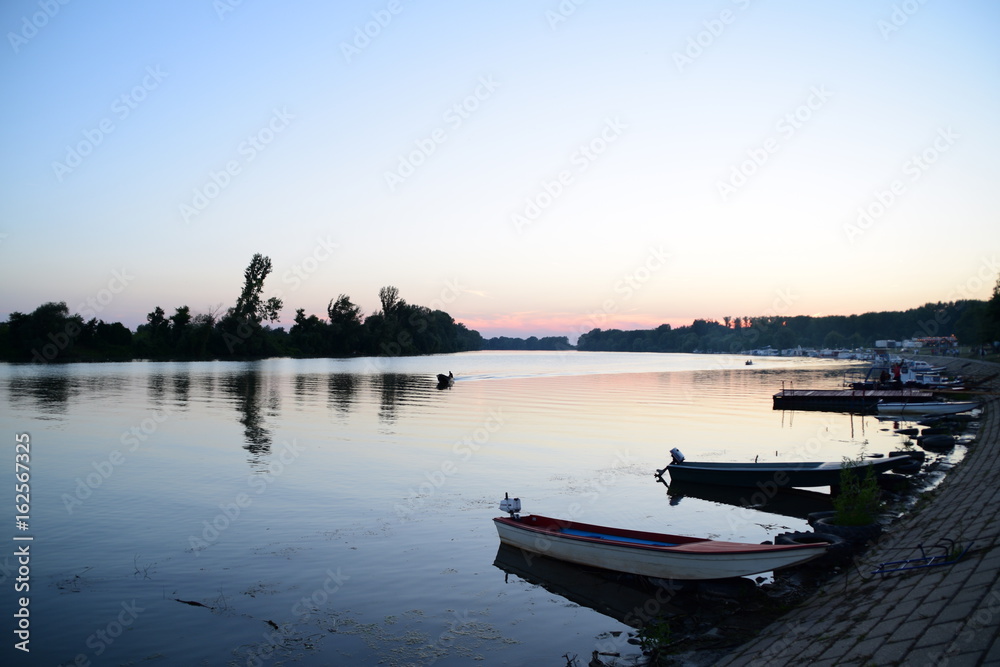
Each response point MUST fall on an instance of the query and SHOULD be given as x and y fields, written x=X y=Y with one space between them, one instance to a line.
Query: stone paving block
x=886 y=627
x=969 y=593
x=974 y=637
x=943 y=633
x=981 y=579
x=993 y=654
x=826 y=662
x=926 y=657
x=812 y=650
x=989 y=562
x=930 y=578
x=903 y=609
x=942 y=593
x=966 y=659
x=910 y=630
x=956 y=611
x=866 y=628
x=864 y=650
x=835 y=652
x=891 y=653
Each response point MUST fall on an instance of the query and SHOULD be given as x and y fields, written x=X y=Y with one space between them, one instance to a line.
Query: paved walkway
x=948 y=615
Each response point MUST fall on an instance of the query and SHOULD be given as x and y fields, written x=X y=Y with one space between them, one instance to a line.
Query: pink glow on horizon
x=572 y=325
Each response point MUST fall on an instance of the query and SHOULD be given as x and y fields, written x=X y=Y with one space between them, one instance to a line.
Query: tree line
x=973 y=322
x=244 y=331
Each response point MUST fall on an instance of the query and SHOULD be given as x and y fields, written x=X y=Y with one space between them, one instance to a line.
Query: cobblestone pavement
x=947 y=615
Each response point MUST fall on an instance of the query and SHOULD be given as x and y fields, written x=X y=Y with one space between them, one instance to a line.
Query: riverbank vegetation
x=969 y=320
x=245 y=331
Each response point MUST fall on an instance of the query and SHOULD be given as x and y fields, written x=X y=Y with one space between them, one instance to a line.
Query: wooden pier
x=846 y=400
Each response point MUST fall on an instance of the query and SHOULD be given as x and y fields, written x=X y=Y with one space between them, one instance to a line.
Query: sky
x=531 y=168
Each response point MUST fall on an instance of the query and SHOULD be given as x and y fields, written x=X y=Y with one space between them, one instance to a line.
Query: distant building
x=939 y=342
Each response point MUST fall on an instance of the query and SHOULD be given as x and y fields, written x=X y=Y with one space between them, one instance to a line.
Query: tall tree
x=249 y=306
x=389 y=296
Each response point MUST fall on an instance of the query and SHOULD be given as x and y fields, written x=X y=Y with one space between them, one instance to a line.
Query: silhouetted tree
x=389 y=297
x=249 y=306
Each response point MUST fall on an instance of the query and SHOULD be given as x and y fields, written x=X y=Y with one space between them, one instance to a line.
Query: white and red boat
x=644 y=553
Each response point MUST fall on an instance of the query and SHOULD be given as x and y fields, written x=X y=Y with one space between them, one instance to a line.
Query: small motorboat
x=644 y=553
x=780 y=474
x=926 y=408
x=445 y=381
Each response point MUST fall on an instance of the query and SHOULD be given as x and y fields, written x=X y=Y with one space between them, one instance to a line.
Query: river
x=322 y=511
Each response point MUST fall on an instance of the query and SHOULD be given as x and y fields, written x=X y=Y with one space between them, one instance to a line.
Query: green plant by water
x=859 y=499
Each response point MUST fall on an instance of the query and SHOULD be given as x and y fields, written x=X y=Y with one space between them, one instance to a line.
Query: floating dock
x=846 y=400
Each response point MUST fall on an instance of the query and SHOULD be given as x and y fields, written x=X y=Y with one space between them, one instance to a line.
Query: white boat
x=922 y=366
x=928 y=408
x=649 y=554
x=912 y=377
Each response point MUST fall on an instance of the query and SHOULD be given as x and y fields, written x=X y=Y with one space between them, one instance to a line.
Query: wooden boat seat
x=615 y=538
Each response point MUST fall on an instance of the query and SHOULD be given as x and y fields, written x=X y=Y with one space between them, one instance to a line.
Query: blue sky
x=532 y=168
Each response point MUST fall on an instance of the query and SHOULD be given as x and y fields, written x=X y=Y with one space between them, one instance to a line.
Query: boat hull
x=648 y=554
x=766 y=475
x=933 y=408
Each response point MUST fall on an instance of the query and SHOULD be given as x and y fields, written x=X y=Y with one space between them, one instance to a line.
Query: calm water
x=338 y=511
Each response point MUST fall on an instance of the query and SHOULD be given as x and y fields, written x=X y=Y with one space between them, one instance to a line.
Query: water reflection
x=49 y=393
x=392 y=388
x=795 y=503
x=247 y=388
x=306 y=385
x=342 y=389
x=182 y=388
x=156 y=385
x=626 y=598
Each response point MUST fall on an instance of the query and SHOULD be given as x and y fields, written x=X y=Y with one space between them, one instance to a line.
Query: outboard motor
x=510 y=505
x=676 y=455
